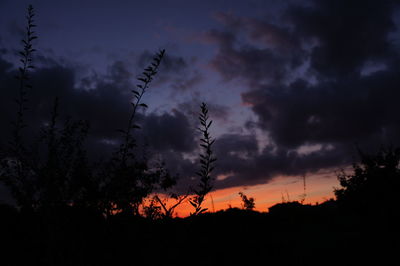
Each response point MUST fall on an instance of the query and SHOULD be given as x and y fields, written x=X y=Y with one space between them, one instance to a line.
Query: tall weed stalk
x=128 y=180
x=207 y=160
x=16 y=172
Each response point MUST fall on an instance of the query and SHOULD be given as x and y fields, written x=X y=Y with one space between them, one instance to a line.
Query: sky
x=293 y=87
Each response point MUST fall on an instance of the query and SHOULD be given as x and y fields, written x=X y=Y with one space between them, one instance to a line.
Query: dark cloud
x=217 y=111
x=268 y=33
x=15 y=29
x=169 y=132
x=349 y=111
x=252 y=64
x=176 y=72
x=346 y=106
x=244 y=146
x=241 y=163
x=186 y=82
x=4 y=65
x=171 y=64
x=325 y=74
x=347 y=94
x=104 y=101
x=267 y=61
x=348 y=33
x=182 y=167
x=224 y=39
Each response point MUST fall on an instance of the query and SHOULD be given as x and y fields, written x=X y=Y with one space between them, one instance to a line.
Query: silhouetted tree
x=206 y=162
x=248 y=203
x=374 y=183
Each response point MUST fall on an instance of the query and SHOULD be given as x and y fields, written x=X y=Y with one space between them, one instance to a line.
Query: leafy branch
x=146 y=78
x=127 y=181
x=17 y=169
x=206 y=162
x=160 y=204
x=169 y=211
x=23 y=78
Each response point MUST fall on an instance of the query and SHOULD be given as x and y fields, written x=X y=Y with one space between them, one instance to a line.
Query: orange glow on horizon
x=319 y=188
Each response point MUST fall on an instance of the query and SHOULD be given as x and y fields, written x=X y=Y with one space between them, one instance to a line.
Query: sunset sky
x=292 y=86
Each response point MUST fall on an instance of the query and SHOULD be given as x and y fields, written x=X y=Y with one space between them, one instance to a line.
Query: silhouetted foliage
x=304 y=195
x=374 y=183
x=285 y=208
x=168 y=211
x=16 y=163
x=206 y=162
x=23 y=77
x=160 y=205
x=153 y=210
x=127 y=179
x=64 y=176
x=56 y=172
x=67 y=197
x=57 y=169
x=248 y=203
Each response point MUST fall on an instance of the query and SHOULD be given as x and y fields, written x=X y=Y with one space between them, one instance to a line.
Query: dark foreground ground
x=290 y=234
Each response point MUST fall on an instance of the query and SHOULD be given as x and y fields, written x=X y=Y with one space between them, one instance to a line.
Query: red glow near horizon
x=319 y=188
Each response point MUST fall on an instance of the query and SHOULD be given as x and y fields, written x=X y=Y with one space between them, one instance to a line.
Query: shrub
x=374 y=182
x=248 y=203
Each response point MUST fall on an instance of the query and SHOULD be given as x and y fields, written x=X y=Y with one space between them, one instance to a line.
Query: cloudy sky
x=292 y=86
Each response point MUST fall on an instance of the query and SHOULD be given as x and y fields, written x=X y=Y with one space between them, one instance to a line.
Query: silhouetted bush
x=372 y=188
x=248 y=203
